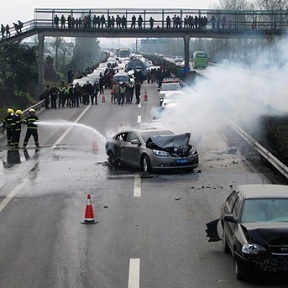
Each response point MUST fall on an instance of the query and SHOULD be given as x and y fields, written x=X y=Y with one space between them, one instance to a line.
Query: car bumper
x=163 y=163
x=265 y=268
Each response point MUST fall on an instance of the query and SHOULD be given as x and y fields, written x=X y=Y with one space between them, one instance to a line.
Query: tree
x=18 y=64
x=235 y=5
x=57 y=44
x=18 y=76
x=86 y=53
x=272 y=4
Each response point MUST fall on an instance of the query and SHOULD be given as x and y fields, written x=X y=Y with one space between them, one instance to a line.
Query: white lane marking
x=58 y=141
x=10 y=196
x=139 y=119
x=134 y=273
x=137 y=185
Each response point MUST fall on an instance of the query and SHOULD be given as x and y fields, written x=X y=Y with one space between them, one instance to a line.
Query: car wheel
x=146 y=164
x=111 y=158
x=224 y=243
x=239 y=276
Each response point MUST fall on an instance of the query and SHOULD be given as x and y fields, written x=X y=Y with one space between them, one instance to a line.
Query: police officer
x=32 y=128
x=7 y=122
x=16 y=129
x=122 y=93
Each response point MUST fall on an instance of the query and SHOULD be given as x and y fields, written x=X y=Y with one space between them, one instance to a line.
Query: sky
x=9 y=12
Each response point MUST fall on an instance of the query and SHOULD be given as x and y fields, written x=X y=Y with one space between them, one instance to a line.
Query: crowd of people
x=72 y=94
x=12 y=123
x=5 y=30
x=121 y=22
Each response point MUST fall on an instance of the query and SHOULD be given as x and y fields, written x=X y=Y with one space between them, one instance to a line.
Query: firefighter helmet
x=10 y=111
x=18 y=112
x=32 y=110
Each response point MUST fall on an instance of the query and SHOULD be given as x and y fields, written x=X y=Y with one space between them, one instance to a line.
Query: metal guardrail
x=282 y=168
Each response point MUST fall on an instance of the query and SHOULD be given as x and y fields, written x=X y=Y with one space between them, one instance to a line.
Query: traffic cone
x=103 y=99
x=95 y=147
x=89 y=215
x=145 y=96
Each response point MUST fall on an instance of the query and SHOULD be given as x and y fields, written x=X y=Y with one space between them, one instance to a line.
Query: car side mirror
x=135 y=142
x=158 y=89
x=229 y=218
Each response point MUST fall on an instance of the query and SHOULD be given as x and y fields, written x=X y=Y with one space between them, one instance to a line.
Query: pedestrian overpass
x=183 y=23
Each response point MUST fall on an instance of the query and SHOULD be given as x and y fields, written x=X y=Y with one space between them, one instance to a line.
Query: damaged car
x=151 y=150
x=253 y=226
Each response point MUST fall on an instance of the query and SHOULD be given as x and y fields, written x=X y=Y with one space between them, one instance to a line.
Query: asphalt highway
x=151 y=228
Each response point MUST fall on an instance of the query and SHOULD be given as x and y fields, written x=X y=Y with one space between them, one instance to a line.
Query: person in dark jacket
x=32 y=128
x=16 y=129
x=137 y=91
x=7 y=122
x=54 y=94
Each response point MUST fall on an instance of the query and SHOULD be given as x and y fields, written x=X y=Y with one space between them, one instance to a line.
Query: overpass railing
x=253 y=19
x=181 y=19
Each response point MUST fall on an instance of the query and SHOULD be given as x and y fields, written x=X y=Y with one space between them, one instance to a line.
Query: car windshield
x=146 y=135
x=265 y=210
x=170 y=86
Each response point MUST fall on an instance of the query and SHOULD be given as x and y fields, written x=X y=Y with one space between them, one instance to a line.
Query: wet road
x=151 y=228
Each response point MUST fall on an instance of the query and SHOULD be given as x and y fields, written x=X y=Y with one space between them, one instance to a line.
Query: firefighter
x=16 y=129
x=32 y=128
x=7 y=122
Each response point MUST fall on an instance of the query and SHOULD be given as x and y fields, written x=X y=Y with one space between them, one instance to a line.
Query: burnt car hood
x=168 y=141
x=266 y=233
x=263 y=233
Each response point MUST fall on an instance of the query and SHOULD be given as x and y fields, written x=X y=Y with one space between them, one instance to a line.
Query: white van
x=124 y=77
x=121 y=77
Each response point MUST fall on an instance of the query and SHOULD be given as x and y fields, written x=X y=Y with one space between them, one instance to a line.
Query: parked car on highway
x=122 y=77
x=151 y=150
x=172 y=96
x=178 y=60
x=254 y=228
x=168 y=85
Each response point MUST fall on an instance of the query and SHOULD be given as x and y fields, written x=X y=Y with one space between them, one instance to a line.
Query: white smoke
x=241 y=93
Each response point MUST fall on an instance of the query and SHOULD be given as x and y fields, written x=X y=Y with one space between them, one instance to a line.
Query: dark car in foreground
x=151 y=150
x=254 y=225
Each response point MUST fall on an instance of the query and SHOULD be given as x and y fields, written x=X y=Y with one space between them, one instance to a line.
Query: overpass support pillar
x=40 y=63
x=186 y=51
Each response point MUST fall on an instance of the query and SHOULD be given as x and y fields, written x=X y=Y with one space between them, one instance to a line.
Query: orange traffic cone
x=103 y=99
x=89 y=215
x=95 y=147
x=145 y=96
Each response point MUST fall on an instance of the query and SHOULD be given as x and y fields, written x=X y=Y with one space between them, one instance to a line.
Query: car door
x=118 y=144
x=131 y=149
x=231 y=207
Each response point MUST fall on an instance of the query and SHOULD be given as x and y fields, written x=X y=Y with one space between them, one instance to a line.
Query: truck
x=138 y=66
x=123 y=52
